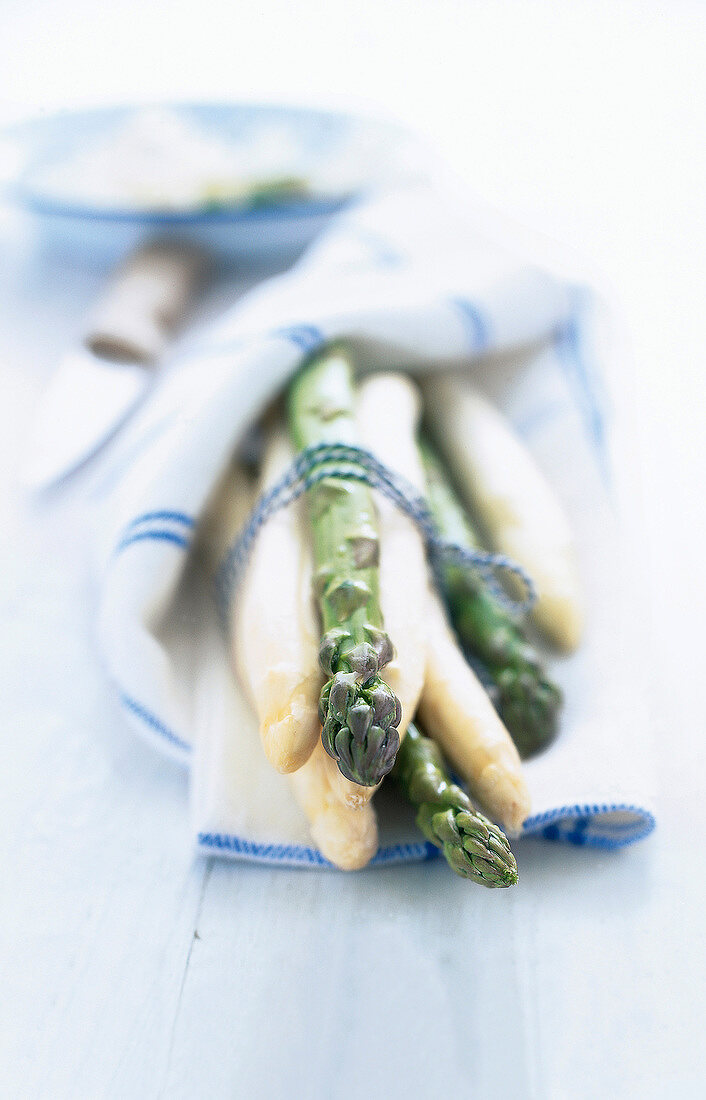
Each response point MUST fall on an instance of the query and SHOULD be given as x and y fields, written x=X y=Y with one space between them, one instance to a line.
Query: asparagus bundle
x=472 y=845
x=528 y=701
x=359 y=712
x=369 y=569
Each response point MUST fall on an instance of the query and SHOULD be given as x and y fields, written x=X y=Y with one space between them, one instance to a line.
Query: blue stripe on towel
x=148 y=536
x=305 y=337
x=174 y=517
x=581 y=825
x=570 y=343
x=135 y=531
x=300 y=855
x=476 y=324
x=578 y=833
x=153 y=723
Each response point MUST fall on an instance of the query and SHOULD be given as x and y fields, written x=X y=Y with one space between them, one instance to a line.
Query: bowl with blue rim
x=251 y=182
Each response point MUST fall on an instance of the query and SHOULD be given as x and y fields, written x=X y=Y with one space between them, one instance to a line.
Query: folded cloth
x=413 y=283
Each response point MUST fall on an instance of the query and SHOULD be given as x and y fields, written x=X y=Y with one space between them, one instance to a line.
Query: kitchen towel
x=413 y=281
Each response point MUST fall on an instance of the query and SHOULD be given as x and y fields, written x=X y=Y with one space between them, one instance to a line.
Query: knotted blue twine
x=349 y=463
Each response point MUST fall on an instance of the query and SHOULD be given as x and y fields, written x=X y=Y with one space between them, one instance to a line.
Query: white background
x=127 y=972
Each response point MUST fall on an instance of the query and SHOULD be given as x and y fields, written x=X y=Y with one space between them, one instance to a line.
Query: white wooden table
x=126 y=970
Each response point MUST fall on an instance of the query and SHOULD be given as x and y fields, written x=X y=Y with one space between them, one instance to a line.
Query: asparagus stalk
x=472 y=845
x=469 y=731
x=528 y=701
x=509 y=494
x=388 y=412
x=274 y=633
x=347 y=836
x=388 y=408
x=359 y=712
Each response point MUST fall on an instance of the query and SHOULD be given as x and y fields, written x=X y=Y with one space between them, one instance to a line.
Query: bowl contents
x=160 y=159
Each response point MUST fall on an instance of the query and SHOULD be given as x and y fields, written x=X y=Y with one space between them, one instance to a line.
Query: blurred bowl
x=351 y=156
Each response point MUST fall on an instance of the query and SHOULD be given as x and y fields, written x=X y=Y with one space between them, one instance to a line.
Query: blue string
x=341 y=461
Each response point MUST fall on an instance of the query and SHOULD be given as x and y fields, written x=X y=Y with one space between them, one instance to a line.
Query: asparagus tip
x=473 y=846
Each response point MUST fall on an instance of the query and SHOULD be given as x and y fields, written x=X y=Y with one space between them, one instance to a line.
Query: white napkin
x=415 y=283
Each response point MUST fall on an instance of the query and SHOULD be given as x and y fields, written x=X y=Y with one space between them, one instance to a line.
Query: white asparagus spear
x=346 y=835
x=455 y=710
x=513 y=501
x=387 y=416
x=273 y=632
x=388 y=413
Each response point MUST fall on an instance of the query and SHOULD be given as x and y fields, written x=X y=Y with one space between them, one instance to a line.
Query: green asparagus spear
x=473 y=846
x=358 y=711
x=528 y=701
